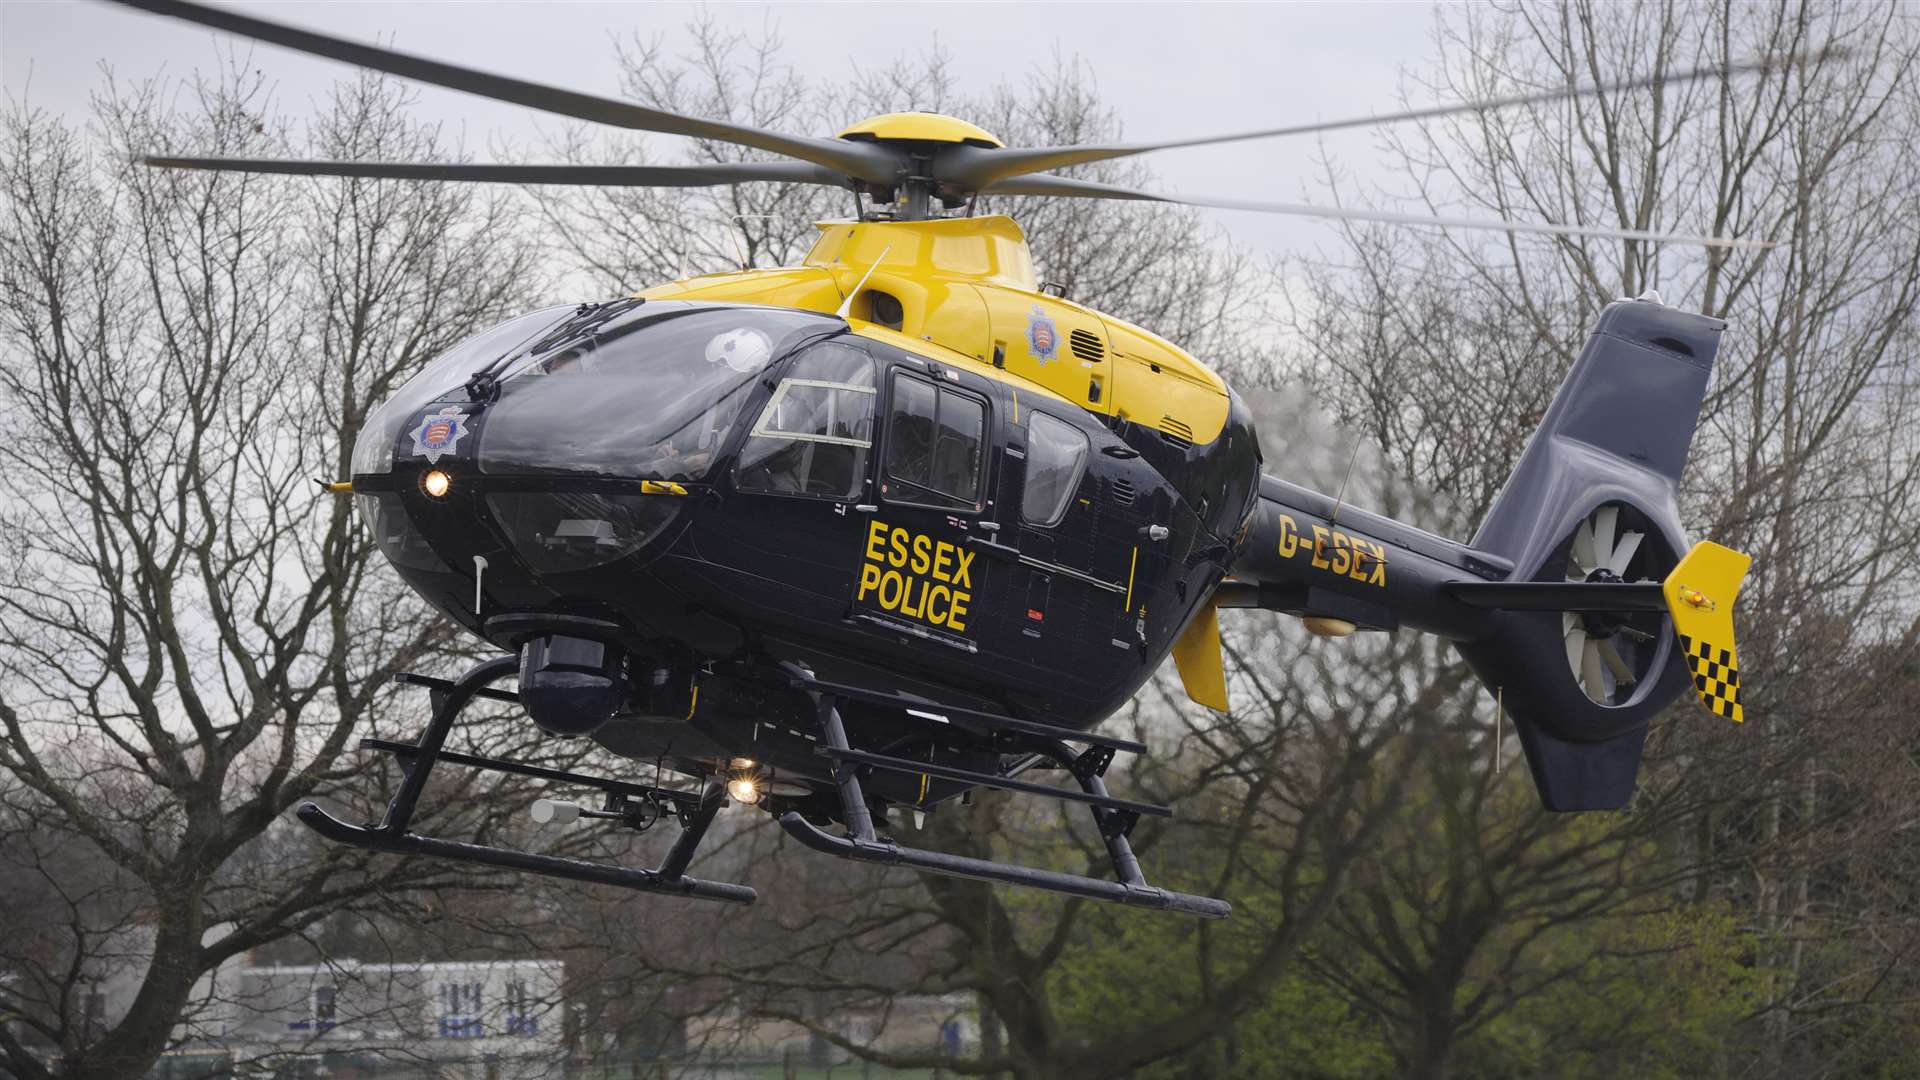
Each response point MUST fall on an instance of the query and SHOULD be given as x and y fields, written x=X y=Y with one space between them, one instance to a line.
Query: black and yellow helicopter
x=847 y=540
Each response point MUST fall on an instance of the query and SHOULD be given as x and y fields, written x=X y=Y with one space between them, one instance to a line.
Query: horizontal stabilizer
x=1560 y=596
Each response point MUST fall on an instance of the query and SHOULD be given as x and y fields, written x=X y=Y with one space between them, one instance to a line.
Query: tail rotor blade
x=1576 y=645
x=1593 y=672
x=1583 y=554
x=1604 y=520
x=1623 y=555
x=1610 y=654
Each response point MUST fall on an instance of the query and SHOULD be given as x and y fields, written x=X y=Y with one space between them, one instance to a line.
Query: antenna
x=734 y=234
x=846 y=306
x=1340 y=499
x=1499 y=713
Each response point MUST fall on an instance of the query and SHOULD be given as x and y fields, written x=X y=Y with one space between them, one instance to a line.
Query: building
x=487 y=1020
x=464 y=1020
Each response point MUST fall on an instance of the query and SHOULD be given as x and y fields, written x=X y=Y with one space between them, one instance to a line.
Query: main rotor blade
x=658 y=176
x=1087 y=189
x=975 y=168
x=864 y=160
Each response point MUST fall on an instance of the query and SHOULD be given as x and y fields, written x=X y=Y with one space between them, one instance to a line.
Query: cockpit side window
x=813 y=436
x=1056 y=456
x=934 y=440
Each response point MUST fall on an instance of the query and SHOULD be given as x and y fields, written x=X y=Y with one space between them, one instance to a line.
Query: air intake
x=1175 y=432
x=1086 y=345
x=1122 y=492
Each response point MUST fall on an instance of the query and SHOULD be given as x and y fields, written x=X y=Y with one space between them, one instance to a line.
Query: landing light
x=436 y=483
x=744 y=790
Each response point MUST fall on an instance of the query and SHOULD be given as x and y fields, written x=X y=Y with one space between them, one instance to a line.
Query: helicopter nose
x=445 y=517
x=558 y=532
x=564 y=446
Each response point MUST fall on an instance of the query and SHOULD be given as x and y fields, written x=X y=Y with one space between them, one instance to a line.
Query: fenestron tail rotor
x=910 y=165
x=1606 y=654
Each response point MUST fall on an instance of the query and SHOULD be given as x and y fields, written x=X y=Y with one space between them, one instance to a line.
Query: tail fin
x=1593 y=499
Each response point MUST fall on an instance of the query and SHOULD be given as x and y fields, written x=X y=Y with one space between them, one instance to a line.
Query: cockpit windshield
x=652 y=394
x=373 y=450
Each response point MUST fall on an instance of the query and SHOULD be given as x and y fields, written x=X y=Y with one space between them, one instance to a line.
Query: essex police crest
x=438 y=432
x=1042 y=336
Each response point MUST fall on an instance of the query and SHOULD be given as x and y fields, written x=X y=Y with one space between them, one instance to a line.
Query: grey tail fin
x=1594 y=498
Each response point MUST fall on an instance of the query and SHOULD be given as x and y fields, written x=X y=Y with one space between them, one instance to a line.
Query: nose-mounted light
x=436 y=483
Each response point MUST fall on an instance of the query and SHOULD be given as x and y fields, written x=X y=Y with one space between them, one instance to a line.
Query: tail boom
x=1572 y=603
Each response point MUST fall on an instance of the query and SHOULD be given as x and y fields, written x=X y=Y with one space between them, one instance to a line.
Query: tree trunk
x=1432 y=1057
x=128 y=1050
x=991 y=1040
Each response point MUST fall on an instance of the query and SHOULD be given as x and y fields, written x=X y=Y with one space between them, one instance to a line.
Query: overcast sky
x=1169 y=69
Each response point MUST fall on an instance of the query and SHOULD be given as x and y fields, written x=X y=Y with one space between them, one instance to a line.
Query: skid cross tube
x=681 y=800
x=988 y=780
x=970 y=719
x=863 y=845
x=392 y=834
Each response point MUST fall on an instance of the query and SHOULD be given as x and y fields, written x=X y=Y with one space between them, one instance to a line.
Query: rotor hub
x=921 y=127
x=1603 y=623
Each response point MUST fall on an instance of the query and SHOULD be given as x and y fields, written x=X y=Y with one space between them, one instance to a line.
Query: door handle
x=994 y=550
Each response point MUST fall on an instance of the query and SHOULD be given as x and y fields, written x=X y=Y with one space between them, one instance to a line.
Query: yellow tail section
x=1700 y=594
x=1197 y=656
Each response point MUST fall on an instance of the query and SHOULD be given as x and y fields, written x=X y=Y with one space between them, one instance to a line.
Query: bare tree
x=1805 y=455
x=191 y=634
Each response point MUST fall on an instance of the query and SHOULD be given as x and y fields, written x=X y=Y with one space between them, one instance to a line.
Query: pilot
x=571 y=362
x=672 y=463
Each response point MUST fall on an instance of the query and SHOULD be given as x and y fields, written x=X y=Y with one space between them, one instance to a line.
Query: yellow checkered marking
x=1700 y=592
x=1716 y=677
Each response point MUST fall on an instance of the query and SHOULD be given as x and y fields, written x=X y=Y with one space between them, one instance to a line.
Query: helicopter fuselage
x=1024 y=528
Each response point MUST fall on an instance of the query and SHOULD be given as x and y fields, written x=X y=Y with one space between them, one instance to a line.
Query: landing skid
x=1115 y=818
x=695 y=811
x=640 y=804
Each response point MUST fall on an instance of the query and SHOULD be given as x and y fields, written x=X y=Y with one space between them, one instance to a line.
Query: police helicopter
x=847 y=540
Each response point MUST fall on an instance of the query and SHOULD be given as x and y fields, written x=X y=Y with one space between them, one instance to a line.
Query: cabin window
x=1056 y=456
x=934 y=440
x=813 y=435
